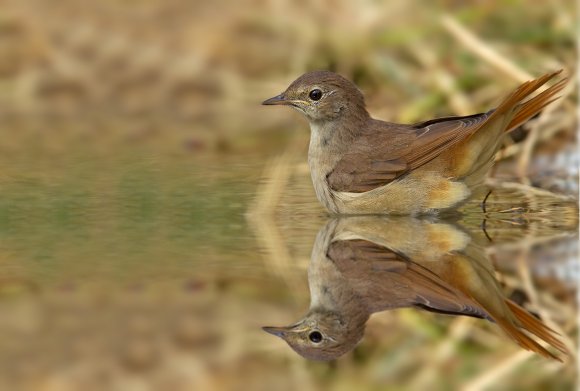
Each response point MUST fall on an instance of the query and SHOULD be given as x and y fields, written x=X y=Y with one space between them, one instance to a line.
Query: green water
x=123 y=216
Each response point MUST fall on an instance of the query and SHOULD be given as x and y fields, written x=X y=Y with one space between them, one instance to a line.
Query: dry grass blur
x=185 y=78
x=208 y=63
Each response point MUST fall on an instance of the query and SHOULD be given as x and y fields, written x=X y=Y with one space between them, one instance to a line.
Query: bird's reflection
x=362 y=265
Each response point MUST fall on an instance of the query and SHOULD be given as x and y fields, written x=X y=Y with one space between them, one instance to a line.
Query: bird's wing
x=358 y=256
x=384 y=156
x=390 y=150
x=386 y=279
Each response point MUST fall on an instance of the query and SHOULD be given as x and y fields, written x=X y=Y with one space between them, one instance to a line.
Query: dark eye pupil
x=315 y=336
x=315 y=94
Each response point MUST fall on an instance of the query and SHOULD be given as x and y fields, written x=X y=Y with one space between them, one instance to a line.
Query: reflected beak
x=276 y=100
x=277 y=331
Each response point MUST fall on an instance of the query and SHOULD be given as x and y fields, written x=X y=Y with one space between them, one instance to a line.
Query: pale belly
x=407 y=196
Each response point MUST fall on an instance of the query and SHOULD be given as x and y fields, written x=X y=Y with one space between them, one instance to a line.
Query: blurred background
x=153 y=215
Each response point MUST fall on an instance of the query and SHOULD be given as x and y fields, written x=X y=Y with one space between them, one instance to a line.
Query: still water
x=137 y=270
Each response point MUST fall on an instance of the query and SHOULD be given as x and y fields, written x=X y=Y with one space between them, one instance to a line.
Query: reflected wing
x=436 y=295
x=357 y=258
x=386 y=279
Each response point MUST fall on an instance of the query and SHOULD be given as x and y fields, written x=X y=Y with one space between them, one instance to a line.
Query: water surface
x=124 y=266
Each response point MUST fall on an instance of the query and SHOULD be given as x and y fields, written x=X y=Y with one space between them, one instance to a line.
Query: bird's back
x=428 y=166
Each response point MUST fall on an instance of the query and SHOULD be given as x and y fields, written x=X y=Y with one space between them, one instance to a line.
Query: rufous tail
x=526 y=110
x=533 y=325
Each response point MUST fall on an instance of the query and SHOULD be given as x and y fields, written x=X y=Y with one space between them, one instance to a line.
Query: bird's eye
x=315 y=336
x=315 y=94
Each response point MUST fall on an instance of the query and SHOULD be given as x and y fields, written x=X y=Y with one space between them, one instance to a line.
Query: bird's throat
x=324 y=152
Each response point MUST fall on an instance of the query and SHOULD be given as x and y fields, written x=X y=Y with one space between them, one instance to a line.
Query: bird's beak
x=276 y=100
x=277 y=331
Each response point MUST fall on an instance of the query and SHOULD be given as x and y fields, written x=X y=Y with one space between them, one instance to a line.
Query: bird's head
x=321 y=336
x=322 y=96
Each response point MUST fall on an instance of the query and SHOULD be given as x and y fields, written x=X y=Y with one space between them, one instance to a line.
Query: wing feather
x=366 y=168
x=388 y=151
x=391 y=280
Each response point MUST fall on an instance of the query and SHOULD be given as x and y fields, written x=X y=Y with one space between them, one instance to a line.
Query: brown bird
x=361 y=265
x=362 y=165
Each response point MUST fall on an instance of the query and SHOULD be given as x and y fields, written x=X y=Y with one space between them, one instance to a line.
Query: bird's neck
x=335 y=135
x=330 y=291
x=336 y=298
x=329 y=141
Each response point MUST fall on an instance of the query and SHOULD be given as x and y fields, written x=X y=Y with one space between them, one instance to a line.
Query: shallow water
x=121 y=268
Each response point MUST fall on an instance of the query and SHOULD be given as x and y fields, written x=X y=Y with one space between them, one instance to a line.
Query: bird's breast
x=322 y=158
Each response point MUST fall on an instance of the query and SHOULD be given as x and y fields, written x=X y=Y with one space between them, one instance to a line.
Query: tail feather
x=514 y=110
x=525 y=111
x=529 y=323
x=512 y=101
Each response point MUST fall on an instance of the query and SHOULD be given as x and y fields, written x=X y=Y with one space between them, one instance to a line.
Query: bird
x=362 y=165
x=366 y=264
